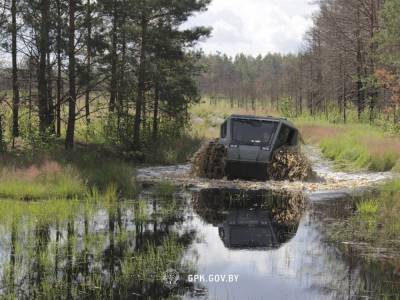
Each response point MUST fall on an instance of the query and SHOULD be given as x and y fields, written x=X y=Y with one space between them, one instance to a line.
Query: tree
x=42 y=78
x=16 y=99
x=69 y=139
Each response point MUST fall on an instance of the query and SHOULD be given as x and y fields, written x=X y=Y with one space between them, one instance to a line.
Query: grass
x=41 y=182
x=368 y=207
x=375 y=220
x=355 y=146
x=57 y=173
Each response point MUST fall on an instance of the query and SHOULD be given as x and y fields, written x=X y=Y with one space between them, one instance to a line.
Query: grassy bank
x=374 y=228
x=354 y=146
x=56 y=173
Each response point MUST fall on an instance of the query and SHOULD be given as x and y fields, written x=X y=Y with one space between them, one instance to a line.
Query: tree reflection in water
x=94 y=248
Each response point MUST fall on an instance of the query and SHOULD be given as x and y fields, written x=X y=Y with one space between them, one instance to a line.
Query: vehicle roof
x=264 y=118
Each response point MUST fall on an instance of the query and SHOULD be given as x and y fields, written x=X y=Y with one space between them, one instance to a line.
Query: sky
x=255 y=26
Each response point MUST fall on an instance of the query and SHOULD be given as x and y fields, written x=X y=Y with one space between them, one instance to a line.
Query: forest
x=347 y=67
x=72 y=69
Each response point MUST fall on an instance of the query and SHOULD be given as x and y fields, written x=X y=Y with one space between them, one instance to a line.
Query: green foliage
x=389 y=36
x=287 y=107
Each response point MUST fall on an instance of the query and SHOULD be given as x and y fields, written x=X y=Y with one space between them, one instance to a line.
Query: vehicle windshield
x=253 y=132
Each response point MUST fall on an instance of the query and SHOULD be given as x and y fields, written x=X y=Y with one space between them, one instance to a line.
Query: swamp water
x=273 y=244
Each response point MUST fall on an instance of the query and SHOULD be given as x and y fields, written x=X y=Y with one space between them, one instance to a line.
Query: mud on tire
x=289 y=163
x=209 y=161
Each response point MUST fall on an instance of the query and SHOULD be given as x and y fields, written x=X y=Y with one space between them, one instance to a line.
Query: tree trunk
x=113 y=87
x=2 y=144
x=89 y=60
x=69 y=260
x=50 y=109
x=141 y=84
x=360 y=92
x=30 y=93
x=42 y=78
x=373 y=46
x=155 y=112
x=344 y=98
x=122 y=84
x=59 y=67
x=69 y=141
x=16 y=100
x=13 y=255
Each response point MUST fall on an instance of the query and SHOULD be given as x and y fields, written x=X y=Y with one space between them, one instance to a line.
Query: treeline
x=63 y=61
x=350 y=59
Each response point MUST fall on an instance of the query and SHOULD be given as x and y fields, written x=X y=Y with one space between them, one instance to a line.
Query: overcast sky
x=255 y=26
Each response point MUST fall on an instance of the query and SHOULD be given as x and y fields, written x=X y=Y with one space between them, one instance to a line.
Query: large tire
x=209 y=161
x=288 y=163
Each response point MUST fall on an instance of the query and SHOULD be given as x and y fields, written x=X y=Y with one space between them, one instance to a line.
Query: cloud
x=254 y=26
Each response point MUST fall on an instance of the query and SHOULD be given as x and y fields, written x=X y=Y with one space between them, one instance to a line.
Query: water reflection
x=367 y=278
x=254 y=219
x=248 y=229
x=293 y=259
x=105 y=248
x=91 y=248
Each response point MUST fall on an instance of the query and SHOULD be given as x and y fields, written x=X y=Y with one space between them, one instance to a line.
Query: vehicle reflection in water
x=278 y=248
x=253 y=219
x=245 y=229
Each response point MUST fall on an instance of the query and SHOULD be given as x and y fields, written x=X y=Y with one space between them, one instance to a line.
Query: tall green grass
x=354 y=146
x=361 y=149
x=67 y=184
x=64 y=174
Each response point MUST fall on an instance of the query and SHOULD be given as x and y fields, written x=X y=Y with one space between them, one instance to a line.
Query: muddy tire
x=289 y=163
x=209 y=161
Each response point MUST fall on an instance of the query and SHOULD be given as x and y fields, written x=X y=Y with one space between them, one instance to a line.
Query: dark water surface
x=273 y=244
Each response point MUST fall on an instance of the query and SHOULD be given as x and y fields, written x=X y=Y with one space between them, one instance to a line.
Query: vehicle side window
x=287 y=136
x=293 y=137
x=224 y=128
x=283 y=137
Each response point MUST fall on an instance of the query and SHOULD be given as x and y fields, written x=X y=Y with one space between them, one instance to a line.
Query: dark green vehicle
x=248 y=148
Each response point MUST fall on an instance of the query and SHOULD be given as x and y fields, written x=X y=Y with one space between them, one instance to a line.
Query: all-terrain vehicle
x=252 y=147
